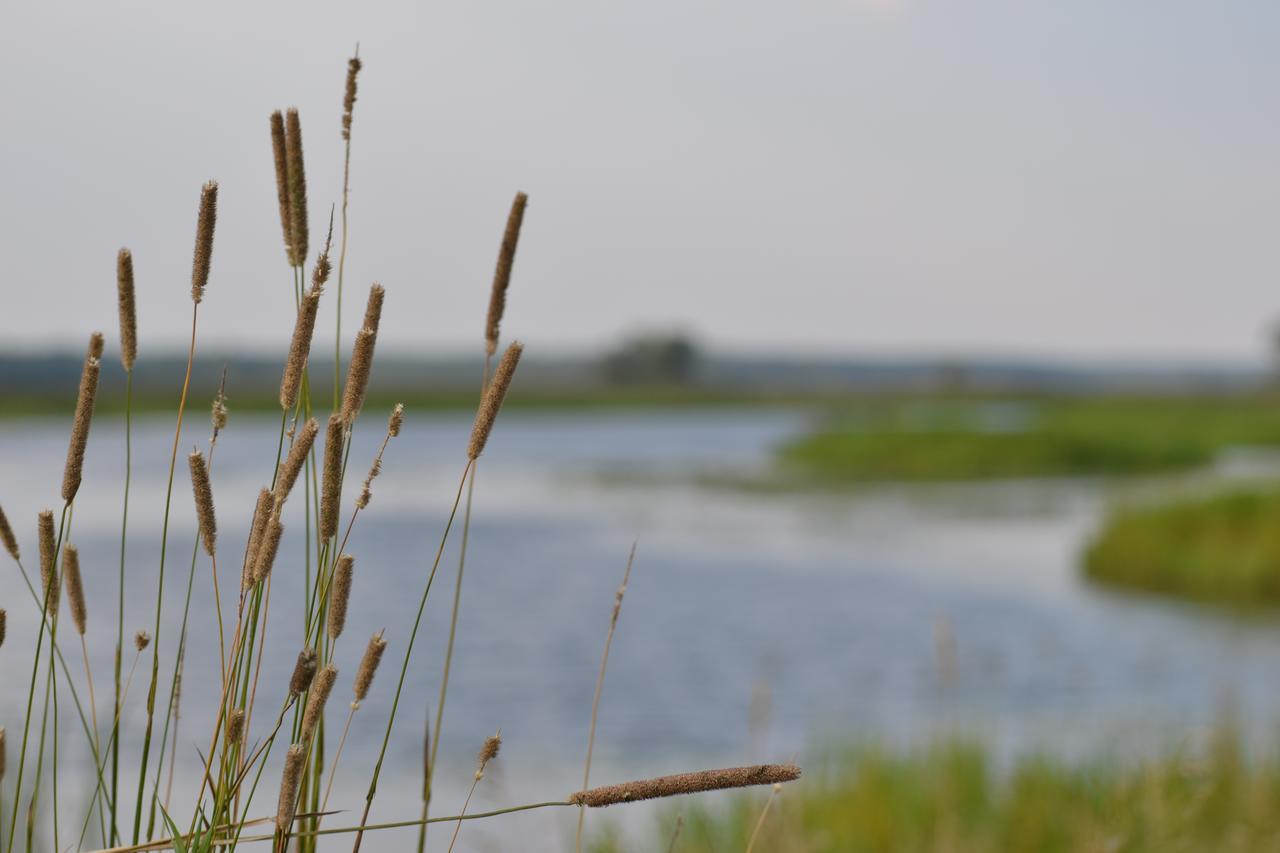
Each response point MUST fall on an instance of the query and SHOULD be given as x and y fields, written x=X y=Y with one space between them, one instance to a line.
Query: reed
x=294 y=762
x=331 y=490
x=206 y=220
x=297 y=185
x=502 y=274
x=321 y=687
x=268 y=547
x=74 y=469
x=75 y=587
x=299 y=349
x=280 y=156
x=340 y=595
x=368 y=667
x=292 y=465
x=48 y=554
x=257 y=530
x=203 y=492
x=358 y=376
x=492 y=402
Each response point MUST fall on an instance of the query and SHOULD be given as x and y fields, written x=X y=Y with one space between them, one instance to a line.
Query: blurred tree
x=652 y=359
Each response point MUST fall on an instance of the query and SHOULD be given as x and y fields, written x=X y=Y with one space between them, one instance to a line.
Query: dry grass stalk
x=368 y=667
x=6 y=536
x=294 y=762
x=373 y=308
x=321 y=687
x=686 y=783
x=303 y=671
x=203 y=256
x=128 y=309
x=502 y=274
x=349 y=99
x=493 y=397
x=203 y=492
x=282 y=181
x=75 y=587
x=340 y=595
x=358 y=376
x=331 y=488
x=258 y=529
x=48 y=571
x=292 y=464
x=298 y=229
x=299 y=349
x=141 y=640
x=269 y=546
x=80 y=426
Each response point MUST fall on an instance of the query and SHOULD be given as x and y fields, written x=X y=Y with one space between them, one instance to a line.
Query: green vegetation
x=952 y=798
x=1225 y=547
x=935 y=439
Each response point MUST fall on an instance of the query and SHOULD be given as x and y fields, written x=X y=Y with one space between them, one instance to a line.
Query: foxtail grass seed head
x=331 y=488
x=340 y=595
x=292 y=464
x=257 y=530
x=298 y=229
x=321 y=687
x=493 y=397
x=294 y=762
x=219 y=412
x=48 y=571
x=203 y=256
x=686 y=783
x=373 y=308
x=502 y=273
x=75 y=587
x=303 y=672
x=235 y=728
x=141 y=640
x=80 y=426
x=349 y=99
x=204 y=501
x=97 y=343
x=369 y=666
x=6 y=536
x=128 y=309
x=488 y=752
x=366 y=491
x=358 y=376
x=269 y=546
x=396 y=420
x=282 y=182
x=299 y=349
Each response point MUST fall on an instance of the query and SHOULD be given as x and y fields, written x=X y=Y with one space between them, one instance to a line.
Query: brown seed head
x=6 y=536
x=358 y=376
x=502 y=273
x=204 y=240
x=349 y=99
x=321 y=687
x=493 y=397
x=396 y=420
x=48 y=570
x=203 y=492
x=294 y=762
x=303 y=671
x=488 y=752
x=282 y=182
x=4 y=752
x=686 y=783
x=331 y=488
x=369 y=666
x=235 y=727
x=128 y=309
x=269 y=546
x=75 y=587
x=4 y=619
x=257 y=529
x=80 y=426
x=97 y=343
x=299 y=349
x=219 y=414
x=373 y=308
x=141 y=640
x=292 y=464
x=340 y=595
x=366 y=492
x=298 y=228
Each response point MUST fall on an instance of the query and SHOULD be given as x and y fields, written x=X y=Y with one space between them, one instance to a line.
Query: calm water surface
x=892 y=613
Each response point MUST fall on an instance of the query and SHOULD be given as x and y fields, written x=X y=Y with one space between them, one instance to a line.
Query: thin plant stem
x=404 y=668
x=764 y=812
x=337 y=756
x=88 y=676
x=164 y=539
x=124 y=529
x=595 y=701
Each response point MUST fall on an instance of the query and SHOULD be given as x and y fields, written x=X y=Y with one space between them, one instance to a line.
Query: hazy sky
x=1086 y=179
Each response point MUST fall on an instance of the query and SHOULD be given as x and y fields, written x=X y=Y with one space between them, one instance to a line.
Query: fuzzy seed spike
x=502 y=273
x=269 y=546
x=358 y=376
x=6 y=536
x=321 y=687
x=141 y=640
x=278 y=148
x=257 y=529
x=85 y=399
x=203 y=256
x=75 y=587
x=299 y=349
x=373 y=308
x=331 y=489
x=349 y=98
x=298 y=228
x=292 y=464
x=294 y=763
x=493 y=397
x=203 y=493
x=303 y=672
x=48 y=570
x=340 y=595
x=128 y=309
x=686 y=783
x=369 y=666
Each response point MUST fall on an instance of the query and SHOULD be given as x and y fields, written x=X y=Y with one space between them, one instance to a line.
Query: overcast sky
x=1086 y=179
